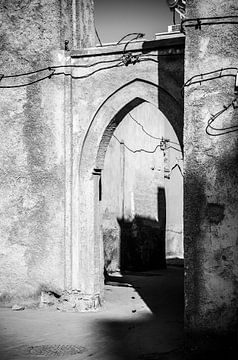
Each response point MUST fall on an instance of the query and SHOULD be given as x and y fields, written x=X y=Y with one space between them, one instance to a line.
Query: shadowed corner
x=143 y=240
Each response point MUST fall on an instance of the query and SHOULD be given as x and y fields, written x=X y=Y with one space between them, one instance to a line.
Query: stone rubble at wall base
x=69 y=301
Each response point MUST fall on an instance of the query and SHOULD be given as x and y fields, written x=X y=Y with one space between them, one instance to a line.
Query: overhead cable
x=150 y=135
x=148 y=152
x=204 y=77
x=137 y=36
x=137 y=150
x=90 y=74
x=225 y=130
x=179 y=167
x=49 y=68
x=197 y=23
x=29 y=83
x=52 y=69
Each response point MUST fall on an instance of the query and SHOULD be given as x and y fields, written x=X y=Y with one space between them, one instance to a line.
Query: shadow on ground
x=153 y=327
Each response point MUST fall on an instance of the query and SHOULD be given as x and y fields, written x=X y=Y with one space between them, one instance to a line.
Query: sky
x=116 y=18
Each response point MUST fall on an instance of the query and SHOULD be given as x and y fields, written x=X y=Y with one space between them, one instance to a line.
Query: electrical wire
x=49 y=68
x=143 y=150
x=223 y=133
x=26 y=84
x=138 y=35
x=172 y=147
x=179 y=167
x=120 y=64
x=209 y=79
x=197 y=23
x=53 y=72
x=203 y=78
x=212 y=72
x=225 y=130
x=150 y=135
x=130 y=58
x=149 y=59
x=148 y=152
x=156 y=55
x=138 y=150
x=90 y=74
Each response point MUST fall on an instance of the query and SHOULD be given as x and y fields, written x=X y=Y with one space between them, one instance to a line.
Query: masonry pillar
x=211 y=173
x=87 y=246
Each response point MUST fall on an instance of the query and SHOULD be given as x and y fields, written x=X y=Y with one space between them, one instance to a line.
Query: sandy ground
x=144 y=321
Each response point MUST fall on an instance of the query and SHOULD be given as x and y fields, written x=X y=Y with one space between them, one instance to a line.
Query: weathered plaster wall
x=211 y=174
x=54 y=134
x=33 y=35
x=92 y=113
x=117 y=89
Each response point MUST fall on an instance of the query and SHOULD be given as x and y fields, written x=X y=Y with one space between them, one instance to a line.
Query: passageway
x=141 y=194
x=141 y=205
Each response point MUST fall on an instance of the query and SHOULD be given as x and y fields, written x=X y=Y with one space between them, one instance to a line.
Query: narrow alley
x=119 y=180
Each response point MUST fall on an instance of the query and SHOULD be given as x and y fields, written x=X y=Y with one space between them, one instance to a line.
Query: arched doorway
x=87 y=260
x=142 y=193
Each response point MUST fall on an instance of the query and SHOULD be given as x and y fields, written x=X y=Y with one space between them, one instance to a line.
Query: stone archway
x=87 y=245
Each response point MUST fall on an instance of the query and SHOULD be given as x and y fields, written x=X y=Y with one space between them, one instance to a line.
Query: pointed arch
x=87 y=243
x=115 y=107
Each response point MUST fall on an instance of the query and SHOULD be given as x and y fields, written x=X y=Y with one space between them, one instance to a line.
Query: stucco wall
x=93 y=111
x=53 y=137
x=32 y=168
x=95 y=116
x=211 y=175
